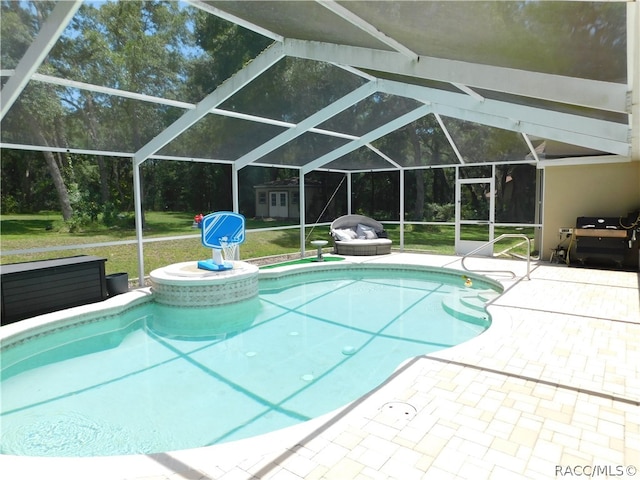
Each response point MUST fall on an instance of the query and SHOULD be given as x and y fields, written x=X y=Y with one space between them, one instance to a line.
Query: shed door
x=279 y=204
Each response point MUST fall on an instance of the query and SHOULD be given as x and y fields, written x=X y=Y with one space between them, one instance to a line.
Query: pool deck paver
x=553 y=386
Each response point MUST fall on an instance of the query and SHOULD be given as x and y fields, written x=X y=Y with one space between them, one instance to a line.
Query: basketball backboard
x=222 y=227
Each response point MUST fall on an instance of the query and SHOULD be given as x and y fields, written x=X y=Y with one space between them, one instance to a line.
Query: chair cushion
x=365 y=232
x=344 y=234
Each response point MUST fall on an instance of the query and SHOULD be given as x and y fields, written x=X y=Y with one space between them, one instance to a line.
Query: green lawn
x=21 y=232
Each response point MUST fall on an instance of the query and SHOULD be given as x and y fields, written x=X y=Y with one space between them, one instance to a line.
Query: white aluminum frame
x=620 y=140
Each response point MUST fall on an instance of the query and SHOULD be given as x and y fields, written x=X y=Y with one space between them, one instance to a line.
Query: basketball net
x=229 y=249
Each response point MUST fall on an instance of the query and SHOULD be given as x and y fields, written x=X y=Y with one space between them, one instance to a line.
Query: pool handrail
x=491 y=242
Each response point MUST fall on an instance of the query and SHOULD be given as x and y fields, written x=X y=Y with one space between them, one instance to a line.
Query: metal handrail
x=491 y=242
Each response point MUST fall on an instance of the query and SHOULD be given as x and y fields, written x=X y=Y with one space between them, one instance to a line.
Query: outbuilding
x=281 y=198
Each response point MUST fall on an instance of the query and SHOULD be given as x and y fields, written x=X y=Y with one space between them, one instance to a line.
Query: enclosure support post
x=539 y=210
x=458 y=203
x=301 y=204
x=349 y=212
x=235 y=195
x=633 y=77
x=137 y=197
x=234 y=188
x=401 y=209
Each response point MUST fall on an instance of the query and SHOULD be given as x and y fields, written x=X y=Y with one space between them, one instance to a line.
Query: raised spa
x=157 y=377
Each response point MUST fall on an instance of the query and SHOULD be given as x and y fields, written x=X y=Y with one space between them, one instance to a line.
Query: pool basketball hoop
x=222 y=232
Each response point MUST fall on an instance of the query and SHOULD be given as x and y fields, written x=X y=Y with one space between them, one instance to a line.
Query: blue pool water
x=159 y=378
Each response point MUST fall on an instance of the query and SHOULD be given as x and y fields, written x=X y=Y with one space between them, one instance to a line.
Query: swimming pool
x=157 y=378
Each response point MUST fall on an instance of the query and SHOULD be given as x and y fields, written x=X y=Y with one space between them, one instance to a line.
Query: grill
x=600 y=239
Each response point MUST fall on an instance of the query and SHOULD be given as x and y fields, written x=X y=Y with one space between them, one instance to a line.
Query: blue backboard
x=219 y=227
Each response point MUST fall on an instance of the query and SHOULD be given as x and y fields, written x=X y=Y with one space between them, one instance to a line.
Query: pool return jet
x=222 y=232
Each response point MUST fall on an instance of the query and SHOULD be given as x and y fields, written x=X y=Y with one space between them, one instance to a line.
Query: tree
x=141 y=47
x=38 y=108
x=133 y=46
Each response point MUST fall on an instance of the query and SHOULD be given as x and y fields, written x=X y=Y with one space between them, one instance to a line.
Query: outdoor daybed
x=359 y=235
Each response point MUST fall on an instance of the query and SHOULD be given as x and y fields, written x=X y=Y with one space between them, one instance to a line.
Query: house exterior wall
x=605 y=190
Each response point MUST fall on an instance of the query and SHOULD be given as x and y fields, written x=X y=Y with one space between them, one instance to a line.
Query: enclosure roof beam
x=447 y=135
x=63 y=82
x=258 y=65
x=532 y=149
x=234 y=19
x=109 y=153
x=569 y=134
x=469 y=91
x=599 y=159
x=47 y=37
x=596 y=94
x=317 y=118
x=372 y=30
x=390 y=160
x=90 y=87
x=368 y=137
x=569 y=128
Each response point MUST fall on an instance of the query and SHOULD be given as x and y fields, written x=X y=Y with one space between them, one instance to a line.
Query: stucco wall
x=607 y=190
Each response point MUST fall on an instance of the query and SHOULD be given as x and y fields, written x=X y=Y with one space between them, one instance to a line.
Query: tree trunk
x=90 y=115
x=440 y=187
x=58 y=181
x=418 y=206
x=105 y=196
x=61 y=188
x=418 y=210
